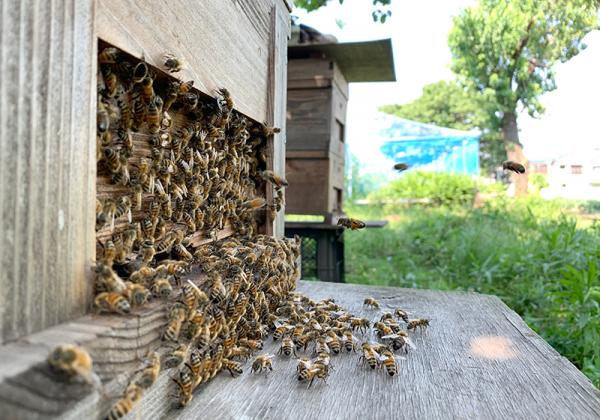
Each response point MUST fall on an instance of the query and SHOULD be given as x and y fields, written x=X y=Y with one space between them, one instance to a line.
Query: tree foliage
x=380 y=13
x=508 y=48
x=447 y=104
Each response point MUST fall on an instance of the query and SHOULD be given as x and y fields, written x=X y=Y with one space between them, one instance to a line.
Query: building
x=575 y=176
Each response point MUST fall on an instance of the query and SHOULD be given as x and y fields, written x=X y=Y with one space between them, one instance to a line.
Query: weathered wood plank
x=48 y=69
x=477 y=360
x=223 y=43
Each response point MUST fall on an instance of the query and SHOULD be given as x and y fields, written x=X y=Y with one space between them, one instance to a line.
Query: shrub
x=440 y=187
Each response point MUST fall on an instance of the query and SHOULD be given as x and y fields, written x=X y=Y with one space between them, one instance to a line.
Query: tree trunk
x=514 y=151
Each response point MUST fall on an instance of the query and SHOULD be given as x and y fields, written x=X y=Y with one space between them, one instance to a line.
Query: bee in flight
x=400 y=167
x=513 y=166
x=352 y=224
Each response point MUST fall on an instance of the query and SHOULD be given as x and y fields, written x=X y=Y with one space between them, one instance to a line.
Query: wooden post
x=47 y=165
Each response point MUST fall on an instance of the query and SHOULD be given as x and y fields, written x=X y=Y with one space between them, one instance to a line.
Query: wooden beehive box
x=318 y=77
x=48 y=155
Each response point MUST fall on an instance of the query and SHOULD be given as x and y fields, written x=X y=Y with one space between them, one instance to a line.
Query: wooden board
x=224 y=43
x=477 y=360
x=47 y=166
x=308 y=119
x=308 y=190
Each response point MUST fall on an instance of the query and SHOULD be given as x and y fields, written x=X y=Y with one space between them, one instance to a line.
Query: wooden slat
x=309 y=183
x=223 y=43
x=308 y=119
x=48 y=69
x=477 y=360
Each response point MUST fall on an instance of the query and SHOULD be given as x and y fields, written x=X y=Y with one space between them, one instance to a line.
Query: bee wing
x=392 y=336
x=129 y=215
x=410 y=343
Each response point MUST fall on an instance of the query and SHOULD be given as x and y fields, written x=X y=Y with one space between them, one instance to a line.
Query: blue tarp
x=429 y=147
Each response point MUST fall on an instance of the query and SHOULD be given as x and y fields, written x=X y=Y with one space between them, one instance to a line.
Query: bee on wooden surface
x=108 y=55
x=268 y=131
x=177 y=317
x=399 y=342
x=139 y=114
x=136 y=294
x=150 y=372
x=400 y=167
x=274 y=179
x=153 y=115
x=280 y=331
x=217 y=292
x=262 y=363
x=303 y=364
x=126 y=114
x=185 y=383
x=133 y=394
x=172 y=63
x=361 y=324
x=189 y=101
x=102 y=120
x=253 y=345
x=401 y=314
x=417 y=323
x=190 y=222
x=226 y=100
x=234 y=368
x=320 y=371
x=111 y=302
x=350 y=342
x=371 y=302
x=107 y=279
x=140 y=72
x=382 y=329
x=513 y=166
x=109 y=253
x=70 y=361
x=161 y=288
x=352 y=224
x=333 y=342
x=388 y=361
x=241 y=352
x=369 y=356
x=175 y=357
x=287 y=347
x=111 y=156
x=123 y=207
x=186 y=87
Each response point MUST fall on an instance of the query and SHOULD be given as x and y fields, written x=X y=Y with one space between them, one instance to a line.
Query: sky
x=419 y=32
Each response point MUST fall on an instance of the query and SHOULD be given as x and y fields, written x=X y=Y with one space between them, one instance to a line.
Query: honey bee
x=180 y=251
x=111 y=156
x=383 y=329
x=172 y=93
x=269 y=131
x=177 y=316
x=172 y=63
x=262 y=362
x=280 y=331
x=110 y=81
x=287 y=347
x=70 y=361
x=136 y=294
x=148 y=251
x=162 y=288
x=107 y=279
x=418 y=323
x=401 y=314
x=226 y=101
x=175 y=357
x=186 y=87
x=333 y=342
x=126 y=115
x=136 y=202
x=139 y=114
x=399 y=341
x=217 y=292
x=123 y=207
x=111 y=302
x=108 y=55
x=133 y=394
x=234 y=368
x=359 y=323
x=371 y=302
x=352 y=224
x=389 y=362
x=185 y=384
x=319 y=370
x=150 y=372
x=513 y=166
x=147 y=90
x=304 y=363
x=102 y=120
x=369 y=356
x=274 y=179
x=400 y=167
x=349 y=341
x=255 y=203
x=153 y=115
x=253 y=345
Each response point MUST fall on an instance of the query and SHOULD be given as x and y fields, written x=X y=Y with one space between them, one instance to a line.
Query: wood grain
x=223 y=43
x=47 y=171
x=446 y=377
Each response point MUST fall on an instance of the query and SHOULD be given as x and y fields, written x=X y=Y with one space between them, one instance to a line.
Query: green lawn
x=530 y=253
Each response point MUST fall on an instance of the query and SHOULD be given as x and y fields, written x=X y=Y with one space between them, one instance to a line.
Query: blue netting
x=429 y=147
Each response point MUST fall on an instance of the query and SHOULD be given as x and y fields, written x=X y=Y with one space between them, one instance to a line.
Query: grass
x=531 y=253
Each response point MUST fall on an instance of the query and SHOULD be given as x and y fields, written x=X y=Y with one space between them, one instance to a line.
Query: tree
x=447 y=104
x=379 y=14
x=507 y=49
